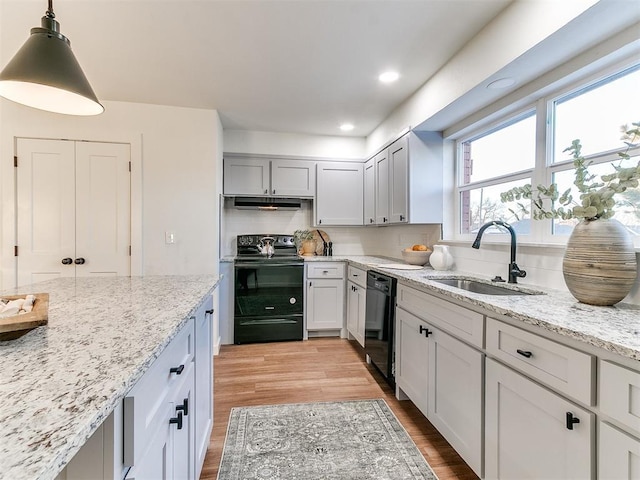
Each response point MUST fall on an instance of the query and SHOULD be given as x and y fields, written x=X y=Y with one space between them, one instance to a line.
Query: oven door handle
x=266 y=321
x=263 y=264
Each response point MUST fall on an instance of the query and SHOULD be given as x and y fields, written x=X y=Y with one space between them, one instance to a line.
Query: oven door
x=268 y=301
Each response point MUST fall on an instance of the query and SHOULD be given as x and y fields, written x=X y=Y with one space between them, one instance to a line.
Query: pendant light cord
x=50 y=13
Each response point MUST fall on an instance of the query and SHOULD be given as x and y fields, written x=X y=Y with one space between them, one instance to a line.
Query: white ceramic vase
x=441 y=258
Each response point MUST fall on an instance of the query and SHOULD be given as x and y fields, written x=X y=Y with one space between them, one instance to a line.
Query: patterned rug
x=355 y=440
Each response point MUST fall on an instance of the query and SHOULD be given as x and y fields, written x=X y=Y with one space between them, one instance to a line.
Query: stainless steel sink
x=481 y=288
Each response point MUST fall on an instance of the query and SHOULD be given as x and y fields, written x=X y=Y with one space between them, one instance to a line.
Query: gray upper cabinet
x=340 y=193
x=370 y=192
x=408 y=183
x=269 y=177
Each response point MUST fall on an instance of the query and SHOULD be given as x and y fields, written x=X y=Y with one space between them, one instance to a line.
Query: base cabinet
x=443 y=378
x=533 y=433
x=618 y=454
x=325 y=297
x=203 y=362
x=356 y=307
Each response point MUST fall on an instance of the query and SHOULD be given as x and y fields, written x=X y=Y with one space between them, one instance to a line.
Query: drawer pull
x=209 y=312
x=525 y=353
x=425 y=330
x=177 y=370
x=571 y=420
x=177 y=420
x=184 y=407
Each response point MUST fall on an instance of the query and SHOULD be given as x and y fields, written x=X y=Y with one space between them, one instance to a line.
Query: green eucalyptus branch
x=596 y=196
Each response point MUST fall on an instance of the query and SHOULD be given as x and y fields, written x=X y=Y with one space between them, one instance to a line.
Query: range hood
x=267 y=203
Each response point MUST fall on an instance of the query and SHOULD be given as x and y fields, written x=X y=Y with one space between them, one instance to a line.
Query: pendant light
x=45 y=74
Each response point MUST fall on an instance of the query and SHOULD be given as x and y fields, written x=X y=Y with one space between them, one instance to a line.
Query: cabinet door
x=325 y=304
x=157 y=461
x=203 y=411
x=412 y=357
x=356 y=305
x=339 y=195
x=370 y=192
x=381 y=162
x=618 y=454
x=455 y=395
x=246 y=176
x=399 y=181
x=183 y=434
x=526 y=433
x=294 y=178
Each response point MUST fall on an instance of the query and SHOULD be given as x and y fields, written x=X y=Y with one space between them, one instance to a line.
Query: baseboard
x=216 y=346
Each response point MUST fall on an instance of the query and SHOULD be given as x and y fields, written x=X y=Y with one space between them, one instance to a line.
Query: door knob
x=67 y=261
x=79 y=261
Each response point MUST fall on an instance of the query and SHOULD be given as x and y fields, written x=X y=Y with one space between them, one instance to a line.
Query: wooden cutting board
x=16 y=326
x=319 y=244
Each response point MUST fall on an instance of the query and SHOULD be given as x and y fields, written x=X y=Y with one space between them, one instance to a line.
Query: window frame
x=544 y=112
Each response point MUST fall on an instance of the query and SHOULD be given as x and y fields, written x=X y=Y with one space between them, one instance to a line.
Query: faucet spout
x=514 y=270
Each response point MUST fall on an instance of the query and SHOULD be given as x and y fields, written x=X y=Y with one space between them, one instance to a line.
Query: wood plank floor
x=317 y=370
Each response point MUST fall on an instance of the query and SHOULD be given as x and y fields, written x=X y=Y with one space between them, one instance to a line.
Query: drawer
x=620 y=394
x=145 y=404
x=357 y=276
x=460 y=322
x=325 y=270
x=567 y=370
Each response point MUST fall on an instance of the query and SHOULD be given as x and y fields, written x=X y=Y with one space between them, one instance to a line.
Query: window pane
x=508 y=150
x=595 y=116
x=481 y=205
x=627 y=204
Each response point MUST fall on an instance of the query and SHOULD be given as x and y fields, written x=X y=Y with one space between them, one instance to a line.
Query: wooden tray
x=16 y=326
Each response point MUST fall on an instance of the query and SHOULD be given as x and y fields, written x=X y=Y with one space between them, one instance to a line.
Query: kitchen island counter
x=59 y=382
x=615 y=329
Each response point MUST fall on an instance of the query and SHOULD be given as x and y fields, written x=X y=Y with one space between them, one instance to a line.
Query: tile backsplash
x=386 y=241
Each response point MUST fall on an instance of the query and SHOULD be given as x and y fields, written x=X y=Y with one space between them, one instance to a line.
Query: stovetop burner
x=249 y=247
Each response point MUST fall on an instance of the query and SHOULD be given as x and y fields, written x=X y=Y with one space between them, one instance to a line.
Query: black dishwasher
x=379 y=324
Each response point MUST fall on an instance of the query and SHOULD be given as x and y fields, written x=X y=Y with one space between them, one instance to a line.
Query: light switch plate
x=169 y=238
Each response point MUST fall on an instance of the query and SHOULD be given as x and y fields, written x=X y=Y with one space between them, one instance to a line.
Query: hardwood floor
x=321 y=369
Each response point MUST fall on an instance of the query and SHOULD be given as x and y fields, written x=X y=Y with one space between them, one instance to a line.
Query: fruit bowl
x=414 y=257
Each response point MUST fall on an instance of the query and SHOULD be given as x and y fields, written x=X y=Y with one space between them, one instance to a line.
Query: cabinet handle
x=67 y=261
x=425 y=330
x=266 y=190
x=571 y=420
x=208 y=312
x=525 y=353
x=184 y=407
x=319 y=222
x=177 y=420
x=384 y=219
x=309 y=284
x=177 y=370
x=371 y=220
x=402 y=218
x=274 y=191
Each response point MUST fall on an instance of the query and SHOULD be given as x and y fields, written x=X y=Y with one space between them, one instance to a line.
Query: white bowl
x=416 y=257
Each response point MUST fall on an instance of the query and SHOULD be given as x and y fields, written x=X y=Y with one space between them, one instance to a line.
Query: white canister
x=441 y=258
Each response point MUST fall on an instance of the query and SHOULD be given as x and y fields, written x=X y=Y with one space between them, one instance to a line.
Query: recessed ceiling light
x=505 y=82
x=346 y=127
x=388 y=77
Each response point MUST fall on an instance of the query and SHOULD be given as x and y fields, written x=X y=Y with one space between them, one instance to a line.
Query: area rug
x=354 y=440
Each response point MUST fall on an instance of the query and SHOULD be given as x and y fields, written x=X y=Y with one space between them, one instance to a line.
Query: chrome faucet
x=514 y=270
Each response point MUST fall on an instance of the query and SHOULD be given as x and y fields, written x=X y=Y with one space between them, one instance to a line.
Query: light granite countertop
x=615 y=329
x=59 y=382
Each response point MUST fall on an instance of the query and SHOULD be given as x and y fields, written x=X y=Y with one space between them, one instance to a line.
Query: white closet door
x=103 y=198
x=45 y=209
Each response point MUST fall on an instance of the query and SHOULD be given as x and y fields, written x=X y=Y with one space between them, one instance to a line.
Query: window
x=497 y=159
x=493 y=162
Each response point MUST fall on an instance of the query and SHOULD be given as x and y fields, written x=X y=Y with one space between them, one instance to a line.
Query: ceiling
x=301 y=66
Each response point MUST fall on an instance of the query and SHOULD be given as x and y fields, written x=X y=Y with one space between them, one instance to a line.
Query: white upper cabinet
x=370 y=192
x=269 y=177
x=408 y=180
x=340 y=193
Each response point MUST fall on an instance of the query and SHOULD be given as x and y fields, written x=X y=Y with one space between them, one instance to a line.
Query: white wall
x=293 y=144
x=176 y=153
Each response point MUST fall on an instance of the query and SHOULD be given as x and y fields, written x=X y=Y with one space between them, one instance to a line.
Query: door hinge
x=129 y=166
x=129 y=250
x=15 y=250
x=15 y=160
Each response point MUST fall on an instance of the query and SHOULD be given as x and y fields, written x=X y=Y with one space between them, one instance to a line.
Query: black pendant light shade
x=45 y=74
